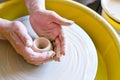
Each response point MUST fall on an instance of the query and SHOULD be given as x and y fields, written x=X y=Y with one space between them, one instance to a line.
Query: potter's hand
x=17 y=35
x=48 y=24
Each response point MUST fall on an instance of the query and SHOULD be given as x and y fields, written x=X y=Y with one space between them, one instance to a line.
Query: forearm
x=3 y=23
x=35 y=5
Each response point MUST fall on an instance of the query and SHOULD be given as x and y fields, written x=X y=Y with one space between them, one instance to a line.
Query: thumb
x=60 y=20
x=22 y=34
x=25 y=37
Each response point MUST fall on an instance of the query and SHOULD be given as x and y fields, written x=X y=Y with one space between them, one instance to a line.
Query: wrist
x=36 y=10
x=35 y=5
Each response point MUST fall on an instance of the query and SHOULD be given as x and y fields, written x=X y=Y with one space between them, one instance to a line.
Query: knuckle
x=51 y=13
x=18 y=26
x=28 y=61
x=15 y=25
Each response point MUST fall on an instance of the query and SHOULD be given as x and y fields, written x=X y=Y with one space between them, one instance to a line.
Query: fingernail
x=58 y=59
x=63 y=53
x=29 y=43
x=51 y=53
x=69 y=22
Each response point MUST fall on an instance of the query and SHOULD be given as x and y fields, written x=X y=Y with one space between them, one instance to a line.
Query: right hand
x=17 y=35
x=48 y=24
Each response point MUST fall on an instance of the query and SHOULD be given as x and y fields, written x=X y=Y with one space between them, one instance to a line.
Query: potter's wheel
x=79 y=63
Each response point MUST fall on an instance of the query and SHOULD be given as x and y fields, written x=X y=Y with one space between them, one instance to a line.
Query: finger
x=16 y=42
x=60 y=20
x=54 y=30
x=36 y=56
x=21 y=32
x=32 y=57
x=39 y=62
x=57 y=49
x=26 y=39
x=47 y=55
x=44 y=58
x=34 y=63
x=16 y=39
x=62 y=43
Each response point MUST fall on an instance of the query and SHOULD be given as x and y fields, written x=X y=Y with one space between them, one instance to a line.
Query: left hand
x=48 y=23
x=16 y=33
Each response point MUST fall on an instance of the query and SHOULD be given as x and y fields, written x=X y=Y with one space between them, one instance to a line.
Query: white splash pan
x=112 y=8
x=79 y=63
